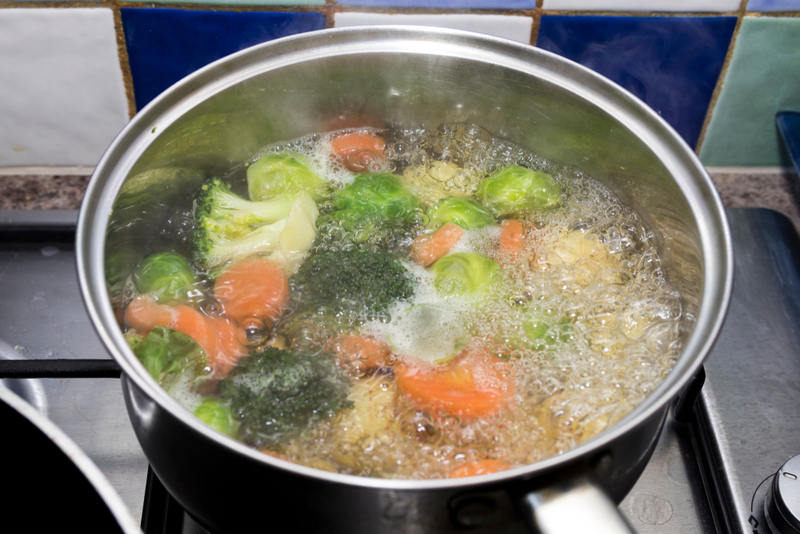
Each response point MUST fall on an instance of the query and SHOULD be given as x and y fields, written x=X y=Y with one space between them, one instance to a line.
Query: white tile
x=62 y=97
x=509 y=27
x=644 y=5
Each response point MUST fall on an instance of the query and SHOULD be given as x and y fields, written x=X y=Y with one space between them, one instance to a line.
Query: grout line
x=330 y=10
x=712 y=104
x=537 y=22
x=74 y=170
x=751 y=170
x=124 y=60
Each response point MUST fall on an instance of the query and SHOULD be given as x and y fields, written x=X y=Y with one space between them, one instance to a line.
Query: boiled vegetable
x=463 y=273
x=167 y=277
x=515 y=189
x=274 y=175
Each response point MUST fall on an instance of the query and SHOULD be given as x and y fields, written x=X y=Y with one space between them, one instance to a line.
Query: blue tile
x=773 y=5
x=671 y=63
x=165 y=45
x=448 y=4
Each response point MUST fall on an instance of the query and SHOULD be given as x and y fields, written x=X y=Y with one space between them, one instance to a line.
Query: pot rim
x=689 y=174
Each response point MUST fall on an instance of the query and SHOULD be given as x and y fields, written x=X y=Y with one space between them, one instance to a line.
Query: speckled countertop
x=775 y=189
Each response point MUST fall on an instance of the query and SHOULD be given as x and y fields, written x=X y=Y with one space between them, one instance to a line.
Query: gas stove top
x=718 y=446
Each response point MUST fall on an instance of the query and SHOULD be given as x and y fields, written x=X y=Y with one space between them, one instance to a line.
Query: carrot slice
x=255 y=287
x=362 y=351
x=472 y=384
x=143 y=313
x=197 y=326
x=229 y=349
x=358 y=150
x=511 y=236
x=478 y=467
x=428 y=248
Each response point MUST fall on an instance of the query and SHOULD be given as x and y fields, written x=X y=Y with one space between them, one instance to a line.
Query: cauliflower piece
x=438 y=180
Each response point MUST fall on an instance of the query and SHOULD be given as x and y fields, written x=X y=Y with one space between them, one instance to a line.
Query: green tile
x=763 y=78
x=289 y=3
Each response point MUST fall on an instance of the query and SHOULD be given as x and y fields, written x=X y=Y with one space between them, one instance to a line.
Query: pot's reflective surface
x=221 y=115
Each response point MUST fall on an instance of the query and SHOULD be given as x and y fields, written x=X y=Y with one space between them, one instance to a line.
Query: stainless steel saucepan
x=220 y=115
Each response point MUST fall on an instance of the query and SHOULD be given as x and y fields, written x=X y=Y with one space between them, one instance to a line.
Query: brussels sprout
x=463 y=273
x=542 y=335
x=280 y=174
x=463 y=212
x=170 y=356
x=514 y=189
x=379 y=195
x=217 y=414
x=166 y=276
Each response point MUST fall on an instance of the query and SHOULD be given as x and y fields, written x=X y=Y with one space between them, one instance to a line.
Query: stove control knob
x=782 y=505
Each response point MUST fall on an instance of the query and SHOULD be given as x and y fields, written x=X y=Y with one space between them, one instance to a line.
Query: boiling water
x=584 y=322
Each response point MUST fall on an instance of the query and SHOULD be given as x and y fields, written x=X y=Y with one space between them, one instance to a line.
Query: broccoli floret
x=276 y=394
x=376 y=211
x=359 y=280
x=229 y=227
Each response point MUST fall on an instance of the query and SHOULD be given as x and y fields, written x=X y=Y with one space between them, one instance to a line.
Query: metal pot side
x=222 y=114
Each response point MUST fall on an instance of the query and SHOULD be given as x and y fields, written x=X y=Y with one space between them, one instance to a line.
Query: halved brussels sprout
x=514 y=189
x=284 y=173
x=463 y=212
x=463 y=273
x=167 y=277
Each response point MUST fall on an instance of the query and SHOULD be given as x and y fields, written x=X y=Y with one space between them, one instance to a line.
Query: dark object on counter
x=789 y=126
x=782 y=506
x=50 y=482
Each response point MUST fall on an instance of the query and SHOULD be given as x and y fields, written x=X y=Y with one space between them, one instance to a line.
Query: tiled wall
x=717 y=70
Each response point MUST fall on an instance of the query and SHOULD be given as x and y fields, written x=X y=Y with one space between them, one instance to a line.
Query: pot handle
x=573 y=506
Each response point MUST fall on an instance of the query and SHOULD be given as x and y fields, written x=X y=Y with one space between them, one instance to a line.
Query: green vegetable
x=359 y=280
x=276 y=394
x=463 y=212
x=376 y=210
x=170 y=357
x=228 y=227
x=463 y=273
x=279 y=174
x=514 y=189
x=218 y=414
x=167 y=277
x=543 y=332
x=378 y=195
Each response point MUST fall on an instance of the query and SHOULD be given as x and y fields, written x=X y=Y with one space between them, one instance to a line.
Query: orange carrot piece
x=255 y=287
x=428 y=248
x=478 y=467
x=358 y=150
x=143 y=313
x=362 y=351
x=199 y=327
x=473 y=384
x=229 y=349
x=511 y=236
